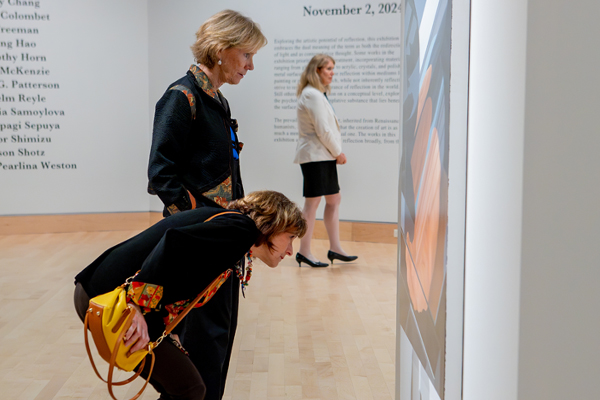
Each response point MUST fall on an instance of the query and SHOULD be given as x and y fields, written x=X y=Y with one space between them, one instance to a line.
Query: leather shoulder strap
x=222 y=213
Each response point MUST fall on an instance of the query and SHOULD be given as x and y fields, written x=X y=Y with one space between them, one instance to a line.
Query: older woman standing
x=318 y=151
x=176 y=259
x=194 y=159
x=194 y=162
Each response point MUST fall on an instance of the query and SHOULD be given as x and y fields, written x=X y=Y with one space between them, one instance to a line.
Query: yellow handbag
x=108 y=318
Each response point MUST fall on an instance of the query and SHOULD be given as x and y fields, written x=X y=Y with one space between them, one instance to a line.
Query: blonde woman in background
x=318 y=152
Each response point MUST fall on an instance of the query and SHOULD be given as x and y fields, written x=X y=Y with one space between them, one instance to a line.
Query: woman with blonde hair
x=194 y=162
x=318 y=152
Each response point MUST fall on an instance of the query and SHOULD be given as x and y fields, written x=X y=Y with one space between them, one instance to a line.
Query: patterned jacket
x=195 y=148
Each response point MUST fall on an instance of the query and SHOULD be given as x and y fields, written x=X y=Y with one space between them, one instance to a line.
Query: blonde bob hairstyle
x=310 y=76
x=222 y=31
x=273 y=213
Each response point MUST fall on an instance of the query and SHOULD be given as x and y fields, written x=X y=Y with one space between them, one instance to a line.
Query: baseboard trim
x=63 y=223
x=375 y=232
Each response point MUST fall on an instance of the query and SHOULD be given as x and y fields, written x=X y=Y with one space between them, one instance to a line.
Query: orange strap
x=113 y=359
x=192 y=200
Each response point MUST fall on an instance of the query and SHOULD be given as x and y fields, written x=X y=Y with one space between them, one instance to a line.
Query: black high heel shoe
x=336 y=256
x=301 y=259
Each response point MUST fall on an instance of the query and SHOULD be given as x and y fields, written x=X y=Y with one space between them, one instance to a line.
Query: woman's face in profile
x=326 y=73
x=235 y=63
x=282 y=246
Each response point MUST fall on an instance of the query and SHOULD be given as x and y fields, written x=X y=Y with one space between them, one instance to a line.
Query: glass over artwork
x=424 y=183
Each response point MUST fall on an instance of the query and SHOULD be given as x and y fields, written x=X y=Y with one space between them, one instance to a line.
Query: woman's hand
x=341 y=159
x=137 y=334
x=176 y=338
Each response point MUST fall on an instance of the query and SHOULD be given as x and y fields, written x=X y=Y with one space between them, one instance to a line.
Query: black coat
x=192 y=149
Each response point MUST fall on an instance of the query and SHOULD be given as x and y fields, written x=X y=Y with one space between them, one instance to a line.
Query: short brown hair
x=273 y=213
x=224 y=30
x=310 y=76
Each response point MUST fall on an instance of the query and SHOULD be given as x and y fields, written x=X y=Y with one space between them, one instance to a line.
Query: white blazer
x=319 y=136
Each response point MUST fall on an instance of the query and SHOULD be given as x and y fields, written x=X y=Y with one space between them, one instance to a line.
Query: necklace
x=239 y=270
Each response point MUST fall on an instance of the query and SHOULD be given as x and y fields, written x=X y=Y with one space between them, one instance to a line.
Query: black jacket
x=193 y=153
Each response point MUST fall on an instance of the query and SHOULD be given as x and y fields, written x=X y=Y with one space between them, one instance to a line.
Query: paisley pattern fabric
x=190 y=96
x=221 y=194
x=204 y=82
x=148 y=296
x=173 y=209
x=145 y=295
x=175 y=308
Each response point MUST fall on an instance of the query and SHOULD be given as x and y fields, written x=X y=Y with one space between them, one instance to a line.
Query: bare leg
x=309 y=212
x=331 y=218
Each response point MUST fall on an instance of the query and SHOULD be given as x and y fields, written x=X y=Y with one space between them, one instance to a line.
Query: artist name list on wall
x=30 y=117
x=367 y=73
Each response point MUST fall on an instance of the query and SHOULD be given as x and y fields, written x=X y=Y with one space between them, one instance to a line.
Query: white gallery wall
x=531 y=271
x=73 y=107
x=494 y=199
x=559 y=347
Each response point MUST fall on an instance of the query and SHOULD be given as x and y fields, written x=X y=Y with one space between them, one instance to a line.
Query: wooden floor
x=303 y=333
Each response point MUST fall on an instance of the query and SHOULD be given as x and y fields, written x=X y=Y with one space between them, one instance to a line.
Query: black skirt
x=320 y=178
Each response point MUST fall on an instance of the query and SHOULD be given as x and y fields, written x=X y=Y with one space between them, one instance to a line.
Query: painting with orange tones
x=424 y=183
